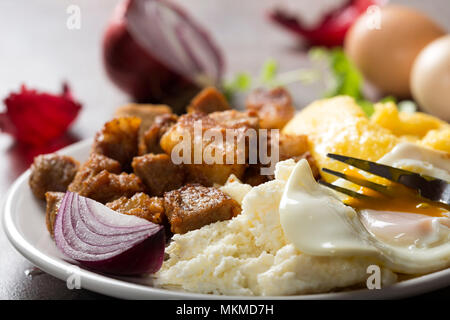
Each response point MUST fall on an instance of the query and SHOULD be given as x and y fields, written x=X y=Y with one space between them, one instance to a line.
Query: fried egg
x=317 y=222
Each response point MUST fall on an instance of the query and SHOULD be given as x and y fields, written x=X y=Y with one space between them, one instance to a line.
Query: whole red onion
x=155 y=52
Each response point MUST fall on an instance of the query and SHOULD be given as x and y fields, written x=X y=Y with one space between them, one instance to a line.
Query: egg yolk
x=399 y=198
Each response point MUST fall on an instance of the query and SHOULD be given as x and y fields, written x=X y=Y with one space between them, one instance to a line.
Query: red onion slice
x=170 y=35
x=93 y=236
x=94 y=222
x=105 y=240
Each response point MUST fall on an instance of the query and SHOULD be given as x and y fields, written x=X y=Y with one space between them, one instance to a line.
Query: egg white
x=316 y=221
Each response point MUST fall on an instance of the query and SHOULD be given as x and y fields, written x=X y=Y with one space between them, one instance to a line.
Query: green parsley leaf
x=269 y=72
x=347 y=79
x=241 y=83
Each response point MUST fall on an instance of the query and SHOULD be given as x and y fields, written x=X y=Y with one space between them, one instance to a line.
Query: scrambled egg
x=249 y=255
x=407 y=125
x=437 y=139
x=338 y=125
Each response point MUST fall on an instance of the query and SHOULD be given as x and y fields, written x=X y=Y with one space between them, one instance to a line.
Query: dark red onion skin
x=134 y=261
x=135 y=72
x=144 y=257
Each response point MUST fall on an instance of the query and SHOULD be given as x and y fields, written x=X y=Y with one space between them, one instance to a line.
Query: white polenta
x=249 y=254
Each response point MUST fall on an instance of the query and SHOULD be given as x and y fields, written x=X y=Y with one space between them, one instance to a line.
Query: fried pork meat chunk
x=296 y=147
x=158 y=173
x=140 y=205
x=193 y=206
x=106 y=187
x=291 y=145
x=207 y=101
x=148 y=113
x=219 y=156
x=53 y=200
x=93 y=166
x=151 y=138
x=118 y=139
x=100 y=178
x=51 y=172
x=273 y=107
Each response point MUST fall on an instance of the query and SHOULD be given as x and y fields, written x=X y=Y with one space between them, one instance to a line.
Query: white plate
x=24 y=223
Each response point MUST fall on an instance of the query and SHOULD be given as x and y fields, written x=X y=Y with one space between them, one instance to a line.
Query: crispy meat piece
x=51 y=172
x=212 y=166
x=208 y=100
x=273 y=107
x=185 y=124
x=150 y=141
x=148 y=113
x=158 y=173
x=210 y=174
x=118 y=140
x=193 y=206
x=296 y=147
x=151 y=138
x=142 y=206
x=106 y=187
x=94 y=165
x=164 y=122
x=54 y=200
x=233 y=119
x=292 y=146
x=216 y=121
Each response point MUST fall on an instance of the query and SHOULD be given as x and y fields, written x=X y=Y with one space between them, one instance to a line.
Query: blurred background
x=39 y=50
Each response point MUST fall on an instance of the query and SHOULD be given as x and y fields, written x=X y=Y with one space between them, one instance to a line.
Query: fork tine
x=362 y=182
x=377 y=169
x=348 y=192
x=428 y=187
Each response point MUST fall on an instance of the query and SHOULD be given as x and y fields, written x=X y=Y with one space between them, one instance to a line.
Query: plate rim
x=120 y=288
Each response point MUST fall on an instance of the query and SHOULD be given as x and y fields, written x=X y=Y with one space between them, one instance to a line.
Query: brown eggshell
x=384 y=53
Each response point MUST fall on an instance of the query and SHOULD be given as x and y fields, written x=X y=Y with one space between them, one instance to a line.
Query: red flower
x=37 y=118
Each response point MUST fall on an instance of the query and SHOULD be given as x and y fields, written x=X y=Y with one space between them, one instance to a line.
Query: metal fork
x=431 y=188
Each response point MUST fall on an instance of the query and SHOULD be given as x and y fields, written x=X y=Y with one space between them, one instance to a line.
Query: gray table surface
x=37 y=49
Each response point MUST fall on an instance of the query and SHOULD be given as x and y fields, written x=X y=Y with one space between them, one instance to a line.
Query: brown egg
x=430 y=78
x=384 y=43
